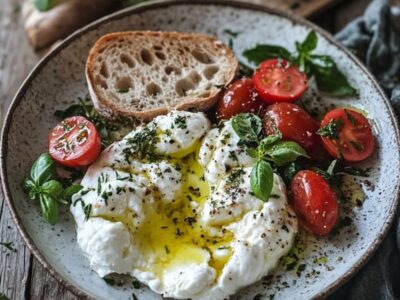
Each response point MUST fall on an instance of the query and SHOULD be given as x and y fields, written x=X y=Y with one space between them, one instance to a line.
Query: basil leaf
x=262 y=180
x=309 y=43
x=73 y=110
x=44 y=5
x=28 y=185
x=247 y=126
x=49 y=208
x=43 y=169
x=253 y=152
x=262 y=52
x=70 y=191
x=283 y=153
x=269 y=140
x=52 y=188
x=329 y=78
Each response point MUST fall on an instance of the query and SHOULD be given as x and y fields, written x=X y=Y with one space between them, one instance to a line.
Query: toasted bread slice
x=143 y=74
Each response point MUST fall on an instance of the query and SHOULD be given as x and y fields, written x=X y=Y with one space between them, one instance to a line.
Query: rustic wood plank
x=16 y=60
x=44 y=286
x=15 y=262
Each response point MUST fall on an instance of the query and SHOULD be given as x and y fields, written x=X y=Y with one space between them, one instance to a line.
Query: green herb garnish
x=235 y=177
x=142 y=145
x=262 y=180
x=231 y=33
x=328 y=77
x=247 y=126
x=180 y=122
x=41 y=185
x=267 y=150
x=9 y=246
x=136 y=284
x=105 y=127
x=332 y=129
x=87 y=210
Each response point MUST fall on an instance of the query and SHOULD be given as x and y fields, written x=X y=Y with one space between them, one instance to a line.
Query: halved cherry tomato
x=276 y=80
x=239 y=97
x=347 y=133
x=296 y=125
x=315 y=202
x=75 y=142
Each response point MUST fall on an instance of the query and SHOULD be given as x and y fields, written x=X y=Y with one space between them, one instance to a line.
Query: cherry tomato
x=296 y=125
x=347 y=133
x=315 y=202
x=239 y=97
x=276 y=80
x=75 y=142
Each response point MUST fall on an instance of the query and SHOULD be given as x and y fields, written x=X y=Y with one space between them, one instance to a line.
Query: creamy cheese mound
x=221 y=151
x=171 y=204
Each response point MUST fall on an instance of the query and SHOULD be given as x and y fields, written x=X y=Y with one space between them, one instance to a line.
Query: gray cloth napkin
x=375 y=39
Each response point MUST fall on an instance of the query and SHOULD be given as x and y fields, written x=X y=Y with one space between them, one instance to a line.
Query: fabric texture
x=375 y=39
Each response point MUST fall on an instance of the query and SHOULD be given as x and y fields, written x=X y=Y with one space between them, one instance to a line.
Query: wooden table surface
x=21 y=275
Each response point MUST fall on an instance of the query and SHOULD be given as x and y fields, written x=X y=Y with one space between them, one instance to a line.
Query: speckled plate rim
x=162 y=4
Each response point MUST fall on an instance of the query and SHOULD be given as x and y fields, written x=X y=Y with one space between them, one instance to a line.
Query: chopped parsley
x=9 y=246
x=142 y=145
x=109 y=281
x=87 y=209
x=300 y=269
x=180 y=122
x=351 y=119
x=231 y=33
x=235 y=177
x=136 y=284
x=232 y=155
x=332 y=129
x=98 y=186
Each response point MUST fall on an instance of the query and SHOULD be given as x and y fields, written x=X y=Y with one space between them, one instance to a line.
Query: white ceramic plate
x=59 y=79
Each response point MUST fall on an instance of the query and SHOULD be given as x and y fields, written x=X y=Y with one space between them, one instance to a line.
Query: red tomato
x=314 y=202
x=74 y=142
x=276 y=80
x=239 y=97
x=296 y=125
x=347 y=133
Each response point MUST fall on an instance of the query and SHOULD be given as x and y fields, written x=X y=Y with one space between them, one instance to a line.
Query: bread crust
x=112 y=110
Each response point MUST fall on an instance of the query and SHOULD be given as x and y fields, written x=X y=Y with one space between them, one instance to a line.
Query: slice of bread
x=143 y=74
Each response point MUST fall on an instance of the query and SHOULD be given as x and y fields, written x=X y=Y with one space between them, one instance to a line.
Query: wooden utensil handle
x=44 y=28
